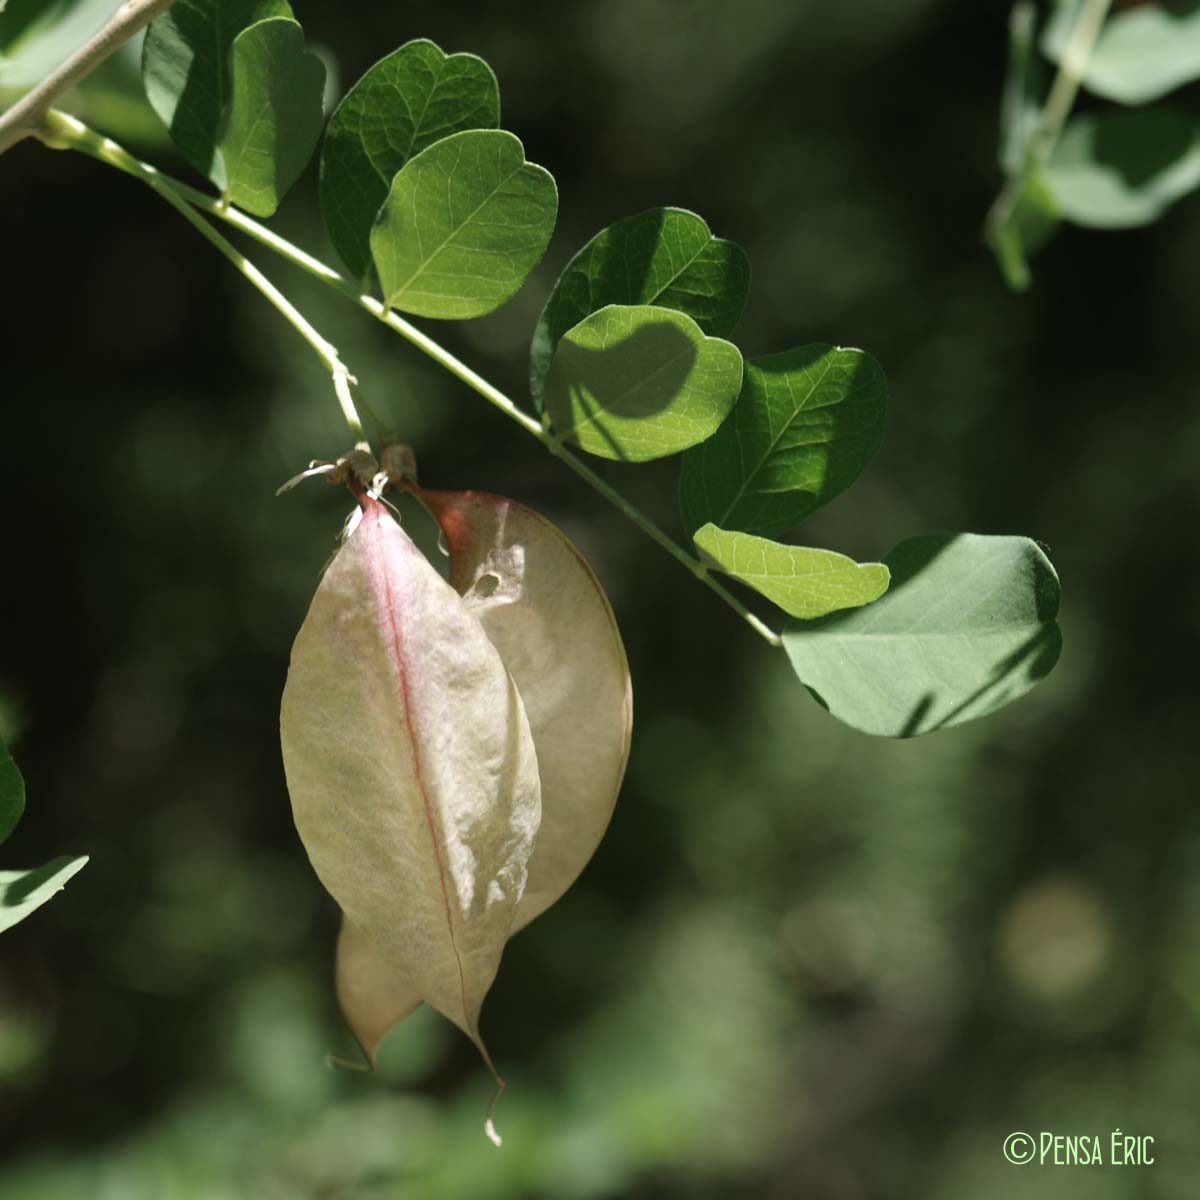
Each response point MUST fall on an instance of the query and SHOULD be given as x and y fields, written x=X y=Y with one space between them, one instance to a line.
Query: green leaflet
x=634 y=383
x=464 y=223
x=804 y=426
x=803 y=582
x=967 y=626
x=1141 y=54
x=242 y=100
x=275 y=114
x=23 y=891
x=665 y=256
x=1122 y=168
x=12 y=793
x=414 y=97
x=185 y=69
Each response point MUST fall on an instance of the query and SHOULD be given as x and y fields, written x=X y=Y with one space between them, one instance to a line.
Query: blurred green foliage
x=1111 y=169
x=804 y=963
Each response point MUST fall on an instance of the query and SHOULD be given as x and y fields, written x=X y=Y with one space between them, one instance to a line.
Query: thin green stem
x=69 y=133
x=697 y=568
x=1052 y=118
x=65 y=132
x=1070 y=75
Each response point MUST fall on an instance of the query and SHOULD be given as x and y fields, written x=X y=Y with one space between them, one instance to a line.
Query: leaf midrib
x=774 y=443
x=412 y=141
x=247 y=139
x=658 y=294
x=399 y=291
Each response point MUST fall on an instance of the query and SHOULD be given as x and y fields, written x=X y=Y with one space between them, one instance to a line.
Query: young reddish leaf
x=545 y=612
x=411 y=768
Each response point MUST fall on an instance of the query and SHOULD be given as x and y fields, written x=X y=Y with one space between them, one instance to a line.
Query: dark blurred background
x=803 y=963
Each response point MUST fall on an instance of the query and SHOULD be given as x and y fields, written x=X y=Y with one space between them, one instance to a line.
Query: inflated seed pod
x=411 y=768
x=542 y=607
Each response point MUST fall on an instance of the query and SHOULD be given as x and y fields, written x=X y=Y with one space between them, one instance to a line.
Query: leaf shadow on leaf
x=1011 y=676
x=1037 y=656
x=612 y=382
x=20 y=889
x=196 y=97
x=618 y=271
x=920 y=553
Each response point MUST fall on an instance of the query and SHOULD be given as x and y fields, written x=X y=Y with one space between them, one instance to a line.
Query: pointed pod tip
x=489 y=1126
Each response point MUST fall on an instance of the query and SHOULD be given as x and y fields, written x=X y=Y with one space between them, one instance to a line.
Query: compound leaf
x=634 y=383
x=967 y=626
x=804 y=426
x=464 y=223
x=1123 y=167
x=274 y=117
x=666 y=257
x=414 y=97
x=803 y=582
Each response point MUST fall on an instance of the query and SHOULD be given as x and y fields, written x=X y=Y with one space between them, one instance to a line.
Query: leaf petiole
x=65 y=132
x=1046 y=131
x=61 y=131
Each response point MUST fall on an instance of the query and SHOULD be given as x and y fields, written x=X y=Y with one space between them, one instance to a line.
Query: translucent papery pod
x=543 y=609
x=411 y=768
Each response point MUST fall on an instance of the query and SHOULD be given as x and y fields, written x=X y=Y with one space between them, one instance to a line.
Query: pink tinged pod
x=411 y=769
x=543 y=609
